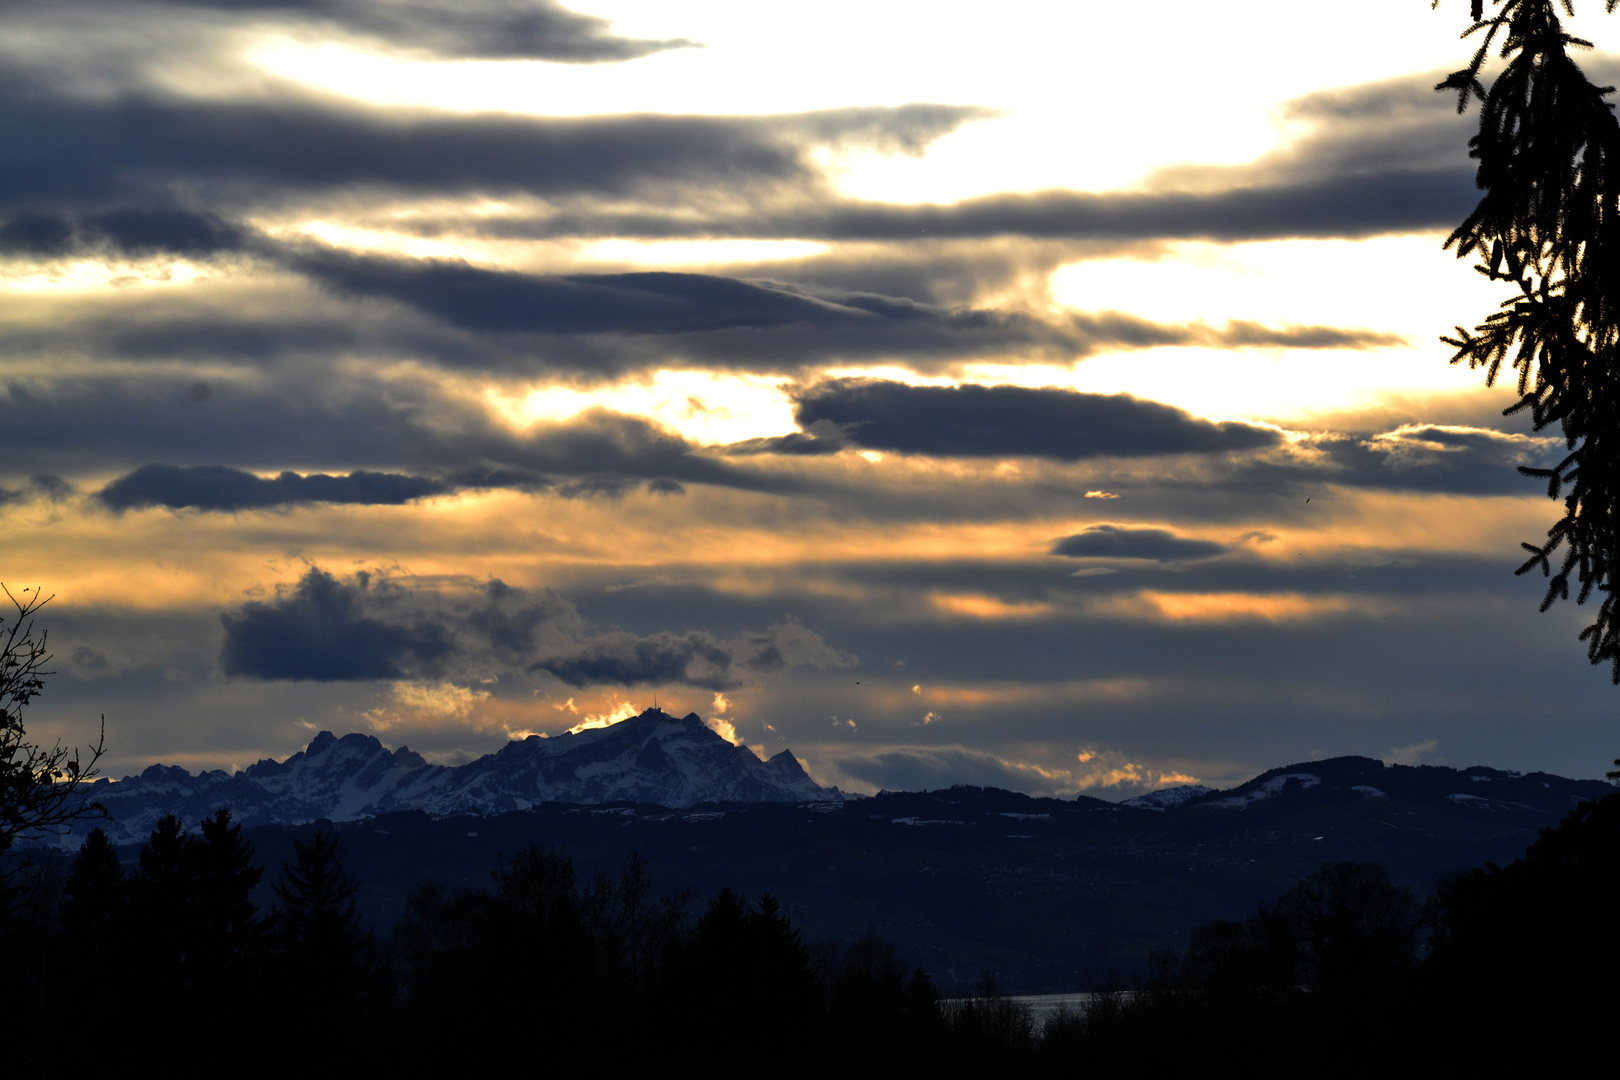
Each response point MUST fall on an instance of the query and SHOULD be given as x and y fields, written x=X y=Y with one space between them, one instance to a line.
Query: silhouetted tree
x=448 y=968
x=875 y=1014
x=163 y=901
x=1548 y=149
x=520 y=957
x=1327 y=973
x=632 y=929
x=989 y=1031
x=317 y=924
x=36 y=985
x=94 y=900
x=225 y=880
x=328 y=977
x=225 y=931
x=1521 y=981
x=40 y=789
x=749 y=967
x=95 y=931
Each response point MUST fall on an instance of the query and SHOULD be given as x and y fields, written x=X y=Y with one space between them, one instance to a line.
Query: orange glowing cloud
x=978 y=606
x=1227 y=607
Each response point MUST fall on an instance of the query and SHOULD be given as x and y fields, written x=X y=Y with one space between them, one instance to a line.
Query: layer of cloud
x=215 y=487
x=127 y=231
x=483 y=29
x=1393 y=201
x=149 y=151
x=693 y=658
x=471 y=29
x=1381 y=158
x=659 y=302
x=231 y=445
x=400 y=440
x=460 y=316
x=1131 y=542
x=1015 y=421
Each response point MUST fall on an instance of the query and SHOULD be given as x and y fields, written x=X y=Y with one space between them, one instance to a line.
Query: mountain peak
x=651 y=758
x=410 y=759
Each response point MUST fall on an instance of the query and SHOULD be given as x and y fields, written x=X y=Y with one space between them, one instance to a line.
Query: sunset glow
x=1085 y=417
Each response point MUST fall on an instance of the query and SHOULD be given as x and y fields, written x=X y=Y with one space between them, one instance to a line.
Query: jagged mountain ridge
x=654 y=758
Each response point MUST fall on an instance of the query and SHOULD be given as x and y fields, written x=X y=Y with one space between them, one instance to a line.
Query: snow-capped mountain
x=652 y=758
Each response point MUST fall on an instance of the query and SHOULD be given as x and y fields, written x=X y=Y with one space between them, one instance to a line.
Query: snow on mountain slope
x=1167 y=798
x=652 y=758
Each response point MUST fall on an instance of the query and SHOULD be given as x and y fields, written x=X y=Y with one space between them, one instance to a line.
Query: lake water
x=1041 y=1006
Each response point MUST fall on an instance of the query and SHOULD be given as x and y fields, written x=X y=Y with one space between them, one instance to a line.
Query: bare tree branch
x=40 y=789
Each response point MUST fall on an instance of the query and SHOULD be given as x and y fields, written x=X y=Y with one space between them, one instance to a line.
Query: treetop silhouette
x=1548 y=149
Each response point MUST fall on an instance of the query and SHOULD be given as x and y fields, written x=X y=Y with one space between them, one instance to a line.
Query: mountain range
x=654 y=758
x=659 y=760
x=1048 y=893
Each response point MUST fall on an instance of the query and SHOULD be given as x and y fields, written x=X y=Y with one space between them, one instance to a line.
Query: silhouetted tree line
x=171 y=965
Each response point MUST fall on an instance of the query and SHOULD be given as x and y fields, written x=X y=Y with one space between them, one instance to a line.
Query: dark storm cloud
x=485 y=29
x=1130 y=542
x=323 y=631
x=141 y=149
x=1413 y=457
x=123 y=231
x=759 y=324
x=215 y=487
x=638 y=303
x=81 y=425
x=694 y=658
x=1015 y=421
x=42 y=486
x=817 y=439
x=369 y=627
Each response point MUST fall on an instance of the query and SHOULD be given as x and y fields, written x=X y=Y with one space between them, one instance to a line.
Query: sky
x=1047 y=396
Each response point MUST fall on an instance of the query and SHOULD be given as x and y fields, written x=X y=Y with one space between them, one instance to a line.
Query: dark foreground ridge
x=539 y=968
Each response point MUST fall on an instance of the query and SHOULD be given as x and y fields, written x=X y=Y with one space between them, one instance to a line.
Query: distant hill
x=1350 y=778
x=652 y=758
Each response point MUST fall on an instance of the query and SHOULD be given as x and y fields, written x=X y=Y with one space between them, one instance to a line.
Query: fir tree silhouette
x=163 y=902
x=94 y=929
x=1548 y=149
x=330 y=982
x=225 y=879
x=317 y=924
x=94 y=901
x=749 y=966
